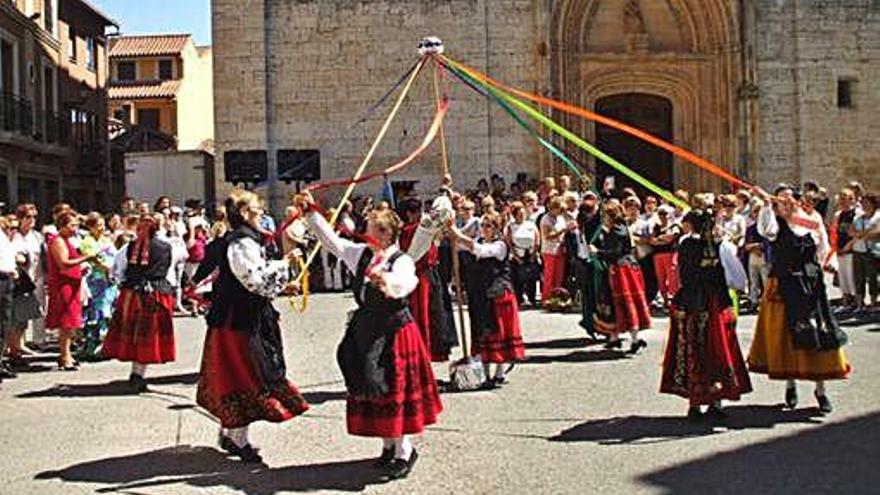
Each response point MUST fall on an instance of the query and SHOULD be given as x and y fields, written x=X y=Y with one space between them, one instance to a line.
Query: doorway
x=650 y=113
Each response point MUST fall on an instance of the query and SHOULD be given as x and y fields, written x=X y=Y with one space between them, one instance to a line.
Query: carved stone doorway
x=650 y=113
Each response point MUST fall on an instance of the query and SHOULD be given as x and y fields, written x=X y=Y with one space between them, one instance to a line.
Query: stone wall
x=803 y=48
x=299 y=74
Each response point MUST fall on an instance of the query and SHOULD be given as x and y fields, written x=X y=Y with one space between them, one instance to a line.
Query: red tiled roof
x=143 y=90
x=148 y=45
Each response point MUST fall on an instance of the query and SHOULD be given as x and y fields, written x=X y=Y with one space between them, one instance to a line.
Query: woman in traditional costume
x=102 y=289
x=430 y=303
x=497 y=337
x=796 y=336
x=621 y=305
x=243 y=375
x=392 y=392
x=142 y=328
x=703 y=361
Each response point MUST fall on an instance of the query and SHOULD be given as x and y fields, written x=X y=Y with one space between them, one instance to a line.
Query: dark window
x=48 y=16
x=92 y=54
x=71 y=44
x=126 y=71
x=149 y=118
x=166 y=70
x=845 y=90
x=6 y=68
x=123 y=114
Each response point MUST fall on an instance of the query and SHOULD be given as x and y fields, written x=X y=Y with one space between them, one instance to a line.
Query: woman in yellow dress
x=796 y=336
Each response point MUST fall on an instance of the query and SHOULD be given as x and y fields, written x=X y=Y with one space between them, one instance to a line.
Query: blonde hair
x=238 y=199
x=386 y=220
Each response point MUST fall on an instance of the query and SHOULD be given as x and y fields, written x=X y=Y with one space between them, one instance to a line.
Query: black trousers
x=651 y=285
x=6 y=287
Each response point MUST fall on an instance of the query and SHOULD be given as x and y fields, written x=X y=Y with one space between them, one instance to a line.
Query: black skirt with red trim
x=505 y=344
x=232 y=388
x=413 y=402
x=142 y=328
x=703 y=359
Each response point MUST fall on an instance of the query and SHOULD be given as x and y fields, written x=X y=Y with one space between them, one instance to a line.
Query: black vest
x=231 y=303
x=492 y=278
x=153 y=276
x=366 y=295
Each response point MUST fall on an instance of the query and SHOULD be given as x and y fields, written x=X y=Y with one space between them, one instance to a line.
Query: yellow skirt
x=773 y=353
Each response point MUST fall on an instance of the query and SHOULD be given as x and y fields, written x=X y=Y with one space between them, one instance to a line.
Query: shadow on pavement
x=109 y=389
x=834 y=458
x=322 y=396
x=205 y=467
x=576 y=357
x=578 y=343
x=657 y=429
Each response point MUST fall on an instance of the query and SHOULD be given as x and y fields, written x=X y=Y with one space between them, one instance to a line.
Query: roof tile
x=141 y=90
x=148 y=45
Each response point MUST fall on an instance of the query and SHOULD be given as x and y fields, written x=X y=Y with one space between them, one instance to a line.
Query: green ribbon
x=578 y=141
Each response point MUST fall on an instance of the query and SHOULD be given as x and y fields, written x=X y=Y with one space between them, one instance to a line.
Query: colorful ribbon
x=429 y=138
x=582 y=112
x=579 y=142
x=369 y=156
x=474 y=85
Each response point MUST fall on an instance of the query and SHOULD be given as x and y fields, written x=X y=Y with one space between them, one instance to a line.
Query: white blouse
x=263 y=277
x=495 y=249
x=400 y=277
x=768 y=227
x=523 y=236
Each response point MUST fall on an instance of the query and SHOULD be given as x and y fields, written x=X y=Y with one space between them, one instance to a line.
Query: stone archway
x=686 y=51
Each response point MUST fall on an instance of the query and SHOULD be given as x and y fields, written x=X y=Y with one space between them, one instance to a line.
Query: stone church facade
x=769 y=89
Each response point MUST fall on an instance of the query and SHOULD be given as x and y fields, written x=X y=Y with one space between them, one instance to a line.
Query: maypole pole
x=368 y=157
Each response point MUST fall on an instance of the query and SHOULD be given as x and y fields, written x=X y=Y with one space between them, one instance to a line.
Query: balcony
x=16 y=115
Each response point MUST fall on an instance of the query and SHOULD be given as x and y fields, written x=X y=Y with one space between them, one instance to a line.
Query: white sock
x=403 y=448
x=634 y=335
x=717 y=404
x=790 y=384
x=139 y=369
x=487 y=369
x=239 y=436
x=500 y=370
x=820 y=387
x=387 y=443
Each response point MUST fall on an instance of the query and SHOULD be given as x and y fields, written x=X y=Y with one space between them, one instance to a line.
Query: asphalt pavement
x=574 y=418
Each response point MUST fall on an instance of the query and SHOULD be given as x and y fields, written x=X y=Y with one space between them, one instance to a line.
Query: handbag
x=24 y=284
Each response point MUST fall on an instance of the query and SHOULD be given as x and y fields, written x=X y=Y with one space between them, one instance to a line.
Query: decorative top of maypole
x=430 y=45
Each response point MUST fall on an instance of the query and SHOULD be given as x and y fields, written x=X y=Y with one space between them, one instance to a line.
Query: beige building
x=769 y=89
x=53 y=72
x=163 y=83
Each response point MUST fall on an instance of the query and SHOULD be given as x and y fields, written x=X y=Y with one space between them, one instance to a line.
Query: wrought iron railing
x=16 y=114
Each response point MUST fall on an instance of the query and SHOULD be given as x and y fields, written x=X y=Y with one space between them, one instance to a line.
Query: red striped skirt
x=630 y=304
x=413 y=402
x=230 y=387
x=142 y=328
x=505 y=345
x=703 y=361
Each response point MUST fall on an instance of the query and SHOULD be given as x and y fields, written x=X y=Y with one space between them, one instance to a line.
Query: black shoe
x=385 y=459
x=247 y=453
x=399 y=469
x=226 y=443
x=791 y=398
x=695 y=415
x=824 y=404
x=137 y=383
x=489 y=384
x=637 y=345
x=715 y=413
x=6 y=372
x=499 y=381
x=613 y=344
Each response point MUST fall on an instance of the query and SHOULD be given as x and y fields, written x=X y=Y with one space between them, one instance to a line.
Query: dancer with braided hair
x=703 y=361
x=142 y=328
